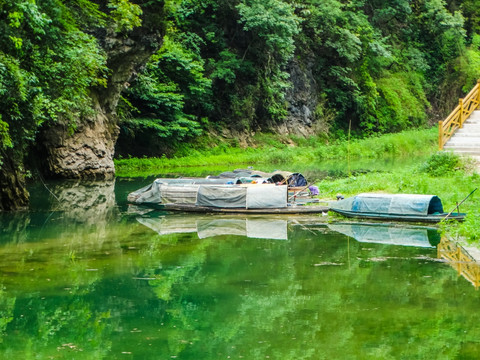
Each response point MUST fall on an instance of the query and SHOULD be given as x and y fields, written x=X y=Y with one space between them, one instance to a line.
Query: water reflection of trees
x=317 y=295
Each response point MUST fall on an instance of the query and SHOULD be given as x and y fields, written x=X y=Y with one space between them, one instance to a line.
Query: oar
x=457 y=206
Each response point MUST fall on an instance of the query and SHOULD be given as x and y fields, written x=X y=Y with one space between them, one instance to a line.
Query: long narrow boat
x=221 y=198
x=397 y=207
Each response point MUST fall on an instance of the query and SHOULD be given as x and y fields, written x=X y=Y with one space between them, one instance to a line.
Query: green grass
x=312 y=150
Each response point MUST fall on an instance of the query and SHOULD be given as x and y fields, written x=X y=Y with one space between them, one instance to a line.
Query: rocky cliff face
x=87 y=153
x=302 y=101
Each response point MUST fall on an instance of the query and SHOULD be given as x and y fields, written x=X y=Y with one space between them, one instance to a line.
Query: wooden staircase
x=460 y=131
x=466 y=140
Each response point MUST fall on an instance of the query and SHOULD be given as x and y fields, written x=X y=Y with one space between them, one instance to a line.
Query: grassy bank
x=443 y=174
x=268 y=149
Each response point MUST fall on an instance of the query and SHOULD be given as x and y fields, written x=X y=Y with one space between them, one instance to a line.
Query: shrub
x=442 y=163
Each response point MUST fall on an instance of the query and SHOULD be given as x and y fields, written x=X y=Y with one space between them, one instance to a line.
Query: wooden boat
x=222 y=198
x=397 y=207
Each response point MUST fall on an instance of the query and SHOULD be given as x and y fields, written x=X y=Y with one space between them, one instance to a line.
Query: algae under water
x=84 y=276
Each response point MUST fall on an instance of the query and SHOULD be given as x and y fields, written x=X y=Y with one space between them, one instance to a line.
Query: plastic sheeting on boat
x=250 y=197
x=258 y=196
x=401 y=204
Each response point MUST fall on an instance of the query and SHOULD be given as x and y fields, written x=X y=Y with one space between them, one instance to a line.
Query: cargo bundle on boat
x=399 y=207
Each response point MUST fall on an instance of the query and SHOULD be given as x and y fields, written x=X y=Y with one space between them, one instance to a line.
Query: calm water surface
x=83 y=276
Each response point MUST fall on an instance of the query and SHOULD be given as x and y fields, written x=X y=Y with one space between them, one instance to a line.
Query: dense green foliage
x=232 y=67
x=378 y=66
x=47 y=66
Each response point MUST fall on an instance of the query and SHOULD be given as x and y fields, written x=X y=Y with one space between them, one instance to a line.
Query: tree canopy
x=377 y=66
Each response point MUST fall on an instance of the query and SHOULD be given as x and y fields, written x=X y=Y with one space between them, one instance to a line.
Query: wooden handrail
x=458 y=116
x=459 y=259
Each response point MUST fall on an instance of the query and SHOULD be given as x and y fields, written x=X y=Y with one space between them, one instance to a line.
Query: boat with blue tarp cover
x=400 y=207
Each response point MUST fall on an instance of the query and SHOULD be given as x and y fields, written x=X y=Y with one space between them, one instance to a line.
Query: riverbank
x=442 y=174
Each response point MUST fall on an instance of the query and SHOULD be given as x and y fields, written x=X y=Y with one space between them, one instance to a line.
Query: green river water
x=84 y=276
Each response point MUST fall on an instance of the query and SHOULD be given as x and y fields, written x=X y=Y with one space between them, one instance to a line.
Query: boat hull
x=302 y=209
x=431 y=218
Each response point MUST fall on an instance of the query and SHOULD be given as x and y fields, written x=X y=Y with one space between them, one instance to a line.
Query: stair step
x=462 y=146
x=470 y=127
x=465 y=141
x=463 y=133
x=466 y=152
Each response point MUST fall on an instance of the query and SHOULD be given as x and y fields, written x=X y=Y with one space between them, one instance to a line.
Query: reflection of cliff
x=464 y=260
x=86 y=209
x=85 y=201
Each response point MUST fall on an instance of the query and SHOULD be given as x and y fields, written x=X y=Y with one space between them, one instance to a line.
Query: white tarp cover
x=148 y=195
x=266 y=196
x=179 y=194
x=222 y=196
x=402 y=204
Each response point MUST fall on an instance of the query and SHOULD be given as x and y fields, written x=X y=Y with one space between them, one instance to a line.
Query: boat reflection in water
x=210 y=226
x=390 y=234
x=465 y=260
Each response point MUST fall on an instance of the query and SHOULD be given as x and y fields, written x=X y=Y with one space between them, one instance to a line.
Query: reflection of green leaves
x=312 y=296
x=7 y=307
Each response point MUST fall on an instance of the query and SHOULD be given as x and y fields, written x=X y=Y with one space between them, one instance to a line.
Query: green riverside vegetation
x=270 y=149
